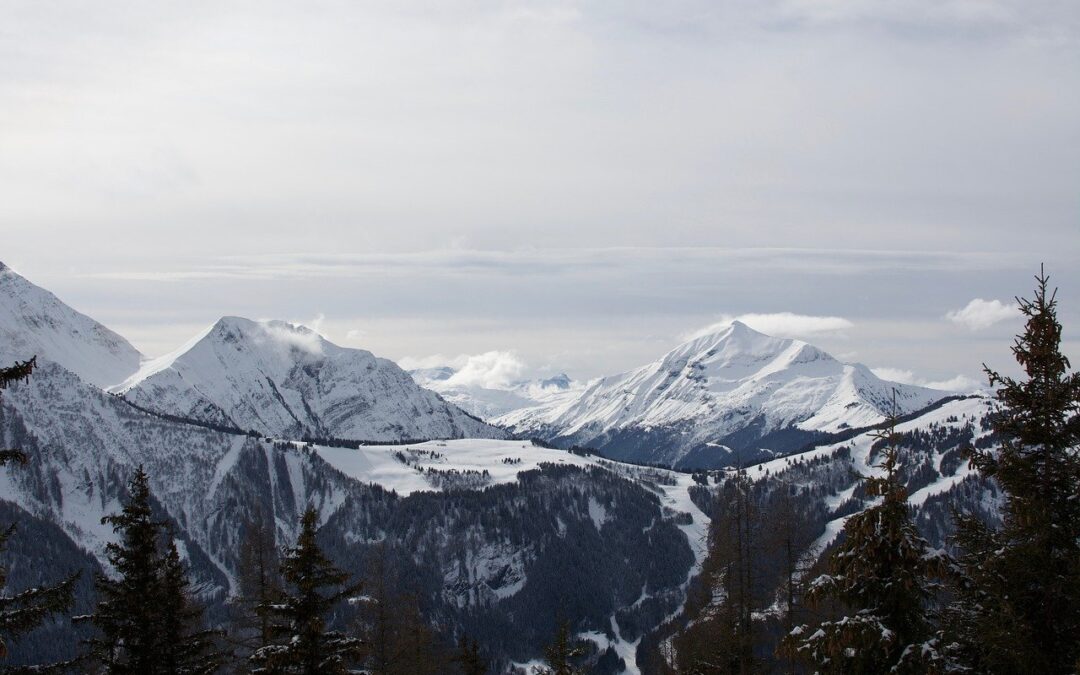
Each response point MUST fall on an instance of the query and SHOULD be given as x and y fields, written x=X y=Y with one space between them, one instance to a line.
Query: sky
x=550 y=186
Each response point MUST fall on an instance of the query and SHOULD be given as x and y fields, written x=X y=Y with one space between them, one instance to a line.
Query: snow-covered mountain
x=727 y=396
x=489 y=402
x=34 y=322
x=549 y=531
x=285 y=380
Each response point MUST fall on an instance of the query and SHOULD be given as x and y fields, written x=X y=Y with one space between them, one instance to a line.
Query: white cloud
x=293 y=335
x=979 y=314
x=959 y=383
x=490 y=370
x=782 y=324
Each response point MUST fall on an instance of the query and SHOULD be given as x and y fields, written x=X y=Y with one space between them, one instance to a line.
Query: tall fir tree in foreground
x=882 y=576
x=301 y=644
x=468 y=658
x=1018 y=607
x=561 y=653
x=721 y=639
x=22 y=612
x=397 y=639
x=147 y=622
x=259 y=587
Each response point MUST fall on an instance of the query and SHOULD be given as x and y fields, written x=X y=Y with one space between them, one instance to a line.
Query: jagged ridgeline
x=541 y=535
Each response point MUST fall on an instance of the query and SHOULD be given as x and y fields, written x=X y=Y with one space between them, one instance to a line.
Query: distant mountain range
x=491 y=402
x=726 y=397
x=498 y=538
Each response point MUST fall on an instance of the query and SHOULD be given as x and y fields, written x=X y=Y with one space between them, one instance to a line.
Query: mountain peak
x=34 y=322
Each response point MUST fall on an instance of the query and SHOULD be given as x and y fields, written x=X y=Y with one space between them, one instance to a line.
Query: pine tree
x=259 y=585
x=1018 y=607
x=147 y=622
x=398 y=641
x=186 y=648
x=468 y=657
x=22 y=612
x=302 y=645
x=882 y=573
x=126 y=615
x=560 y=654
x=722 y=637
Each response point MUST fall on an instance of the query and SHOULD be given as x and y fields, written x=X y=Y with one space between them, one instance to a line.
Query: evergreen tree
x=185 y=646
x=398 y=641
x=127 y=610
x=722 y=637
x=468 y=657
x=22 y=612
x=881 y=573
x=147 y=622
x=302 y=645
x=259 y=585
x=1018 y=606
x=560 y=654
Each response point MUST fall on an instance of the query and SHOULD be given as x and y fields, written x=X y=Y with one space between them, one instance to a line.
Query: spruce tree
x=24 y=611
x=468 y=657
x=147 y=622
x=1018 y=607
x=882 y=575
x=301 y=643
x=186 y=647
x=397 y=638
x=127 y=610
x=560 y=654
x=259 y=585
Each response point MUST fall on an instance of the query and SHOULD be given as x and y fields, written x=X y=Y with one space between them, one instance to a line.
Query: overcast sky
x=575 y=185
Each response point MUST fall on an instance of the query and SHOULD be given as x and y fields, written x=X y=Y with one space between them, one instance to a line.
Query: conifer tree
x=147 y=622
x=560 y=654
x=302 y=645
x=468 y=657
x=259 y=585
x=722 y=637
x=1018 y=607
x=397 y=638
x=127 y=609
x=882 y=574
x=22 y=612
x=186 y=647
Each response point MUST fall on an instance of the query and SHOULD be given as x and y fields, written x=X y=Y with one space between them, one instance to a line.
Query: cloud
x=781 y=324
x=474 y=262
x=959 y=383
x=495 y=369
x=979 y=314
x=293 y=334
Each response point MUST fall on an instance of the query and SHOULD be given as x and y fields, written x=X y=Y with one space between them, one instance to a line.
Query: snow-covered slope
x=34 y=322
x=489 y=402
x=286 y=380
x=735 y=389
x=489 y=549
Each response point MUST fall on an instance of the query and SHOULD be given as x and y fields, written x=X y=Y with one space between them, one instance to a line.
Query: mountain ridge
x=285 y=380
x=728 y=390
